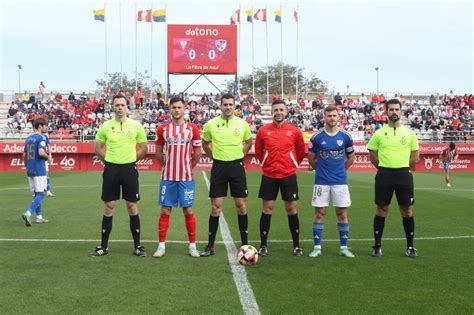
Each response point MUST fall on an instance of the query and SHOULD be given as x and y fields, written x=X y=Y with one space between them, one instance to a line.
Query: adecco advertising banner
x=80 y=157
x=202 y=48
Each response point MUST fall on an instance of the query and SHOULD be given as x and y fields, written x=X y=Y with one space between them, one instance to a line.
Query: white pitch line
x=246 y=295
x=429 y=238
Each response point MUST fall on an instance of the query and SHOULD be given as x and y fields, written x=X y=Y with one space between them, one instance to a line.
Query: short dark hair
x=276 y=102
x=393 y=101
x=452 y=145
x=227 y=96
x=330 y=108
x=39 y=122
x=176 y=100
x=116 y=96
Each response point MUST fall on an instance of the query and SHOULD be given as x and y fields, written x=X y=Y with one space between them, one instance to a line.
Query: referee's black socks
x=294 y=224
x=135 y=229
x=243 y=227
x=265 y=221
x=213 y=226
x=379 y=223
x=106 y=228
x=409 y=226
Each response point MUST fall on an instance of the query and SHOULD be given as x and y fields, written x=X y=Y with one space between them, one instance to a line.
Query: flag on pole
x=278 y=16
x=235 y=18
x=249 y=15
x=261 y=15
x=295 y=15
x=144 y=16
x=99 y=15
x=159 y=15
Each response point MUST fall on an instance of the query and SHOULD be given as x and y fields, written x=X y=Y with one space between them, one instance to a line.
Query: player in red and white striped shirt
x=178 y=149
x=447 y=156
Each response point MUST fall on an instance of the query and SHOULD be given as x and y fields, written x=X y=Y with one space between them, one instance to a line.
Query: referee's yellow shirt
x=226 y=137
x=121 y=140
x=394 y=146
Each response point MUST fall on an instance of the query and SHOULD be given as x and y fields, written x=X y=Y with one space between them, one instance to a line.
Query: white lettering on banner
x=55 y=148
x=202 y=32
x=151 y=148
x=53 y=163
x=95 y=161
x=360 y=149
x=145 y=162
x=67 y=162
x=362 y=159
x=205 y=160
x=13 y=148
x=16 y=162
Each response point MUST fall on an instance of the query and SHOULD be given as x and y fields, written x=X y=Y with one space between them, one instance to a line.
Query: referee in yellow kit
x=394 y=150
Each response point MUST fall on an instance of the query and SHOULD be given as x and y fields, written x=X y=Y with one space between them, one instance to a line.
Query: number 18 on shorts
x=340 y=196
x=173 y=191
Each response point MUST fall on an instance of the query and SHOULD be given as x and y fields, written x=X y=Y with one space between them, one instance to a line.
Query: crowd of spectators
x=446 y=117
x=199 y=110
x=68 y=117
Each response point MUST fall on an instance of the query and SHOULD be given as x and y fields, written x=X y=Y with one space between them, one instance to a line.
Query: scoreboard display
x=202 y=49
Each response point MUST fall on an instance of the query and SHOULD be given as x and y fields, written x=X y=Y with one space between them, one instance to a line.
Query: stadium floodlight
x=19 y=78
x=377 y=70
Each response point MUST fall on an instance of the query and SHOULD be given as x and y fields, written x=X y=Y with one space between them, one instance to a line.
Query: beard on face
x=394 y=118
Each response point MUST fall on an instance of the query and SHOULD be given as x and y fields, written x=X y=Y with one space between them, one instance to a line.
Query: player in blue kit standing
x=331 y=153
x=35 y=156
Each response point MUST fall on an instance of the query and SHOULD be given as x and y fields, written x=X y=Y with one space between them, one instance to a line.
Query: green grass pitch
x=55 y=274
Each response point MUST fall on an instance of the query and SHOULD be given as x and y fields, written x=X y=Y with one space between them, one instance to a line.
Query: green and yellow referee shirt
x=121 y=139
x=226 y=137
x=394 y=146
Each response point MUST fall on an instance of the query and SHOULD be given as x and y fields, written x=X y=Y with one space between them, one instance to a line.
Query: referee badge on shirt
x=237 y=132
x=403 y=141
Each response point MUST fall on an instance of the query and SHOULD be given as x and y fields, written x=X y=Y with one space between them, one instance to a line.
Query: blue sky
x=418 y=46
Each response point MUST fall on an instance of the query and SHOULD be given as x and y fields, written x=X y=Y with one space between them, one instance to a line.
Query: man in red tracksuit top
x=280 y=148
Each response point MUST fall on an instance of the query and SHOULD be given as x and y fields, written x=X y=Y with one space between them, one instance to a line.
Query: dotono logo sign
x=202 y=32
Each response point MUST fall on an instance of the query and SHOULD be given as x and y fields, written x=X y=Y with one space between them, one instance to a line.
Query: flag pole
x=253 y=60
x=120 y=34
x=297 y=33
x=281 y=51
x=238 y=59
x=266 y=32
x=136 y=48
x=166 y=55
x=105 y=30
x=151 y=54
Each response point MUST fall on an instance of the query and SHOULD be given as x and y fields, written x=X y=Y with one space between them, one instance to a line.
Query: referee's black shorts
x=120 y=175
x=225 y=173
x=398 y=180
x=288 y=187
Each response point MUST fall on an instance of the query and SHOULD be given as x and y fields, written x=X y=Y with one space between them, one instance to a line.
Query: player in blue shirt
x=331 y=153
x=35 y=157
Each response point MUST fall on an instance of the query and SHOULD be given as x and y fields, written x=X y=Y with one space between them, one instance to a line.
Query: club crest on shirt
x=289 y=133
x=339 y=142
